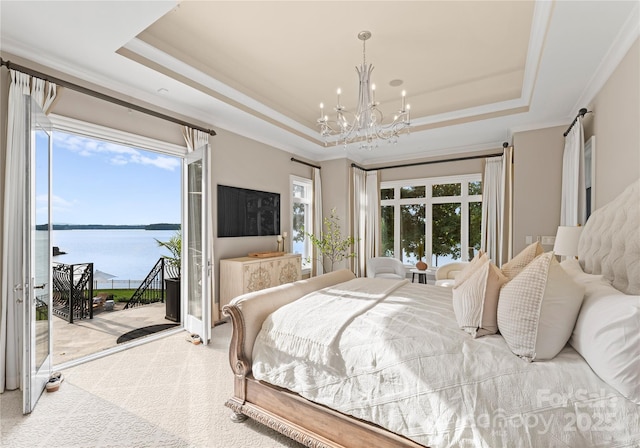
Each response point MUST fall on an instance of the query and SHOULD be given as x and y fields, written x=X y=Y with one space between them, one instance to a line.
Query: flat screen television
x=243 y=212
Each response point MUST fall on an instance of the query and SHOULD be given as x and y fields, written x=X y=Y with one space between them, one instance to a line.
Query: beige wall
x=537 y=174
x=336 y=194
x=615 y=122
x=242 y=162
x=538 y=154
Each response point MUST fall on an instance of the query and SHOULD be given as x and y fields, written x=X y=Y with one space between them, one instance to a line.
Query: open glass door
x=37 y=260
x=198 y=267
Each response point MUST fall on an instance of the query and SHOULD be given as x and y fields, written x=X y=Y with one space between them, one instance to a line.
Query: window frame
x=307 y=259
x=464 y=199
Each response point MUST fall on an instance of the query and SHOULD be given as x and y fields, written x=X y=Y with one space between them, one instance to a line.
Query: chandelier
x=367 y=124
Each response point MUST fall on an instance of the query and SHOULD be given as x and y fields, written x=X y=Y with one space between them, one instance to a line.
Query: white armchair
x=446 y=274
x=385 y=267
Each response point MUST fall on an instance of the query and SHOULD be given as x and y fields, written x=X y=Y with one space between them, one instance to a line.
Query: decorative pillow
x=469 y=269
x=607 y=335
x=475 y=301
x=572 y=267
x=518 y=263
x=538 y=309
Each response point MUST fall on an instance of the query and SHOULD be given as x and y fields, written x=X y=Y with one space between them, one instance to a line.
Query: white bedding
x=403 y=364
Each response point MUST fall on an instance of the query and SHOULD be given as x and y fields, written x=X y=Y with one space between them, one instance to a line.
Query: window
x=301 y=218
x=437 y=220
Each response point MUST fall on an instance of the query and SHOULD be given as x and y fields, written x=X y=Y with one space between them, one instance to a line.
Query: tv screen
x=243 y=212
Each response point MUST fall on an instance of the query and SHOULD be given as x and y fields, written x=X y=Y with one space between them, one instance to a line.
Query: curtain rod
x=581 y=113
x=102 y=96
x=293 y=159
x=429 y=162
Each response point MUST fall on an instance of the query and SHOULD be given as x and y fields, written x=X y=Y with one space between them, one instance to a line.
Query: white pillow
x=520 y=261
x=538 y=309
x=574 y=269
x=475 y=301
x=607 y=335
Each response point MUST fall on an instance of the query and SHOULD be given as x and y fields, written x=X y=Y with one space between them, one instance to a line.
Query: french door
x=37 y=259
x=196 y=251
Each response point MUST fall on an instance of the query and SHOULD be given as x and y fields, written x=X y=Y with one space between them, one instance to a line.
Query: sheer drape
x=22 y=89
x=359 y=199
x=317 y=268
x=573 y=207
x=366 y=217
x=492 y=208
x=496 y=207
x=372 y=217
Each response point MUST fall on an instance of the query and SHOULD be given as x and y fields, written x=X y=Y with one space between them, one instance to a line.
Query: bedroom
x=609 y=88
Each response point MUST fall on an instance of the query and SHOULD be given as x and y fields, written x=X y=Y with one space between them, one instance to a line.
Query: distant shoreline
x=159 y=226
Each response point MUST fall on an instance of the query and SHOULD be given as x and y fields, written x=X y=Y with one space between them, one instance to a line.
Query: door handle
x=40 y=286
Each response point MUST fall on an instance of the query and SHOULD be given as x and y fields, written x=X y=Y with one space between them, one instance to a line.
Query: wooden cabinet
x=247 y=274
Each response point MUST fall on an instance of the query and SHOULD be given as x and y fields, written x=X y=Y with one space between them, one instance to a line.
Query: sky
x=98 y=182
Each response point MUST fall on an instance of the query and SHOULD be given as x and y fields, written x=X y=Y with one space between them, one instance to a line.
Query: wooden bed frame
x=308 y=423
x=613 y=226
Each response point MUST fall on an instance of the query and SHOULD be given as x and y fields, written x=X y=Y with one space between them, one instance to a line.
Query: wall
x=235 y=160
x=615 y=122
x=537 y=166
x=538 y=154
x=537 y=174
x=241 y=162
x=336 y=193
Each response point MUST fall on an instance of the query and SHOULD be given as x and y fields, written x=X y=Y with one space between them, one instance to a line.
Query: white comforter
x=401 y=362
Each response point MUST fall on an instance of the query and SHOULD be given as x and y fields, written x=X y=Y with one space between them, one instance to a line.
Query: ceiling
x=475 y=72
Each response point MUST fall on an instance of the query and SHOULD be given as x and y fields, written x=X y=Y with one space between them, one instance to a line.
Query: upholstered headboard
x=610 y=242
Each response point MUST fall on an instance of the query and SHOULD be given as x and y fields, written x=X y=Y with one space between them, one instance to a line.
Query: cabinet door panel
x=288 y=270
x=257 y=276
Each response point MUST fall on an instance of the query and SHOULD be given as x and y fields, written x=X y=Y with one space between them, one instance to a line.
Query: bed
x=335 y=361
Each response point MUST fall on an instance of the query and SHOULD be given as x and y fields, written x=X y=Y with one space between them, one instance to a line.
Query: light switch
x=548 y=240
x=528 y=239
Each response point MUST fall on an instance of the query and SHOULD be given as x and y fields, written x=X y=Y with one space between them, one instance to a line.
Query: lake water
x=126 y=254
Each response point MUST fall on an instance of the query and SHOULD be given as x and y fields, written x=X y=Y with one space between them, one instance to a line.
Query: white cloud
x=116 y=154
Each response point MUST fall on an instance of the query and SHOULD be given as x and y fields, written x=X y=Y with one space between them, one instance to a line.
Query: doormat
x=144 y=331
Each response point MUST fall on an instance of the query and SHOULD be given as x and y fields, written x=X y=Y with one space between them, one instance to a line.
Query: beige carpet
x=168 y=393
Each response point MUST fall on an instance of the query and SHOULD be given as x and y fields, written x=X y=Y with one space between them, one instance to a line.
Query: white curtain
x=194 y=138
x=359 y=200
x=366 y=217
x=22 y=88
x=573 y=208
x=496 y=207
x=372 y=217
x=317 y=268
x=492 y=208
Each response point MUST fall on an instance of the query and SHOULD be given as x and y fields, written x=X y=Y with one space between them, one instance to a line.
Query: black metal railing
x=73 y=291
x=151 y=289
